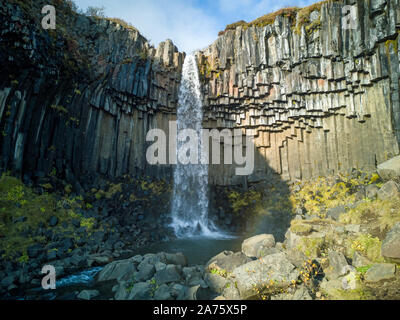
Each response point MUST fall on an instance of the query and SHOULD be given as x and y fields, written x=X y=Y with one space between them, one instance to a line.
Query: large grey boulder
x=227 y=261
x=371 y=191
x=337 y=265
x=215 y=282
x=141 y=291
x=170 y=273
x=117 y=270
x=274 y=271
x=391 y=244
x=146 y=272
x=230 y=292
x=380 y=271
x=255 y=246
x=301 y=293
x=359 y=260
x=162 y=293
x=390 y=169
x=389 y=189
x=88 y=294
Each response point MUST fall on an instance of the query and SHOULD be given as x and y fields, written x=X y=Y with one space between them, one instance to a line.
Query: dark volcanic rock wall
x=79 y=100
x=319 y=98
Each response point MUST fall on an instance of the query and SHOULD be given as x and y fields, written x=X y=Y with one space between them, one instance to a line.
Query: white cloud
x=190 y=24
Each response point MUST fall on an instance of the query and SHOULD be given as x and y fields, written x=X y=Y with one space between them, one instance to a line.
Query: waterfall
x=190 y=196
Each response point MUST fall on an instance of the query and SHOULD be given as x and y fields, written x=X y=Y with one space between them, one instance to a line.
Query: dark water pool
x=197 y=250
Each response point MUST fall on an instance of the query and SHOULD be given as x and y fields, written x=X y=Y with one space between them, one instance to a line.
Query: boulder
x=334 y=213
x=391 y=244
x=274 y=271
x=145 y=272
x=230 y=292
x=216 y=282
x=117 y=270
x=88 y=294
x=162 y=293
x=390 y=169
x=178 y=291
x=122 y=292
x=301 y=293
x=140 y=291
x=389 y=189
x=254 y=246
x=380 y=271
x=371 y=191
x=337 y=265
x=169 y=274
x=227 y=261
x=359 y=260
x=176 y=258
x=53 y=221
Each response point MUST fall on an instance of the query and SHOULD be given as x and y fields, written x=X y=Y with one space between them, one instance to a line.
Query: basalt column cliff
x=80 y=99
x=321 y=96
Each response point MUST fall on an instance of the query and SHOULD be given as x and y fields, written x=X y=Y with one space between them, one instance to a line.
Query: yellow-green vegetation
x=155 y=187
x=323 y=193
x=268 y=19
x=311 y=247
x=22 y=211
x=300 y=227
x=122 y=23
x=351 y=294
x=205 y=68
x=379 y=214
x=112 y=190
x=241 y=202
x=59 y=109
x=221 y=272
x=295 y=14
x=368 y=246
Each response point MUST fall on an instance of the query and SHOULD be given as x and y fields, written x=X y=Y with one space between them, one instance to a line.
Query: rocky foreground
x=343 y=243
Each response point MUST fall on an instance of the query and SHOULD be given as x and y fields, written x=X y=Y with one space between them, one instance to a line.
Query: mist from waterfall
x=190 y=197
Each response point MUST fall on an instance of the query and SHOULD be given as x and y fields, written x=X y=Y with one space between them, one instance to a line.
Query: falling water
x=190 y=198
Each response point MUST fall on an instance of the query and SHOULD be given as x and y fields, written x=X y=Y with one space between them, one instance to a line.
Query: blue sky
x=190 y=24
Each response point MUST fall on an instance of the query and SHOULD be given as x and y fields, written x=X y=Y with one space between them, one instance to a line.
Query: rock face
x=273 y=270
x=87 y=113
x=316 y=86
x=257 y=245
x=391 y=244
x=81 y=105
x=388 y=190
x=380 y=271
x=390 y=169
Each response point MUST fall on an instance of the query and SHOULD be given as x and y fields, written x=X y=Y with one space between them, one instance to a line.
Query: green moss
x=378 y=214
x=113 y=190
x=59 y=109
x=221 y=272
x=22 y=212
x=311 y=247
x=363 y=270
x=301 y=228
x=243 y=201
x=356 y=294
x=88 y=223
x=368 y=246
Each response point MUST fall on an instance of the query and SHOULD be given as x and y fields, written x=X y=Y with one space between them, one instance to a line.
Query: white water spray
x=190 y=198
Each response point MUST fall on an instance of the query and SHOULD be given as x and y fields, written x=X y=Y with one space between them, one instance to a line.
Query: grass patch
x=23 y=212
